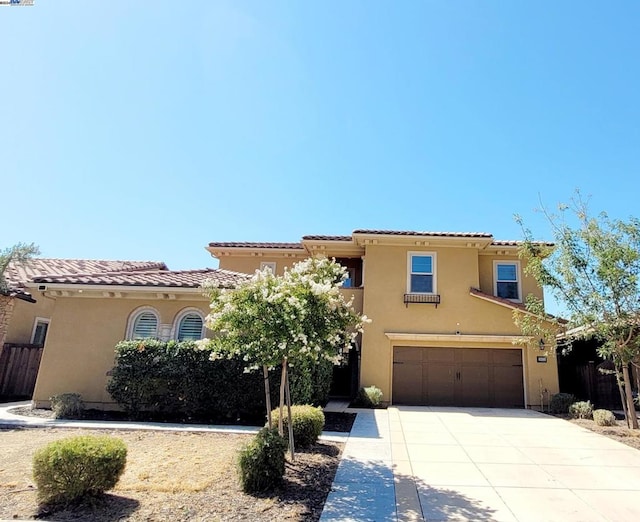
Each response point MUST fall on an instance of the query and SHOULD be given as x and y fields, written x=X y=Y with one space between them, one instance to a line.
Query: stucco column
x=6 y=312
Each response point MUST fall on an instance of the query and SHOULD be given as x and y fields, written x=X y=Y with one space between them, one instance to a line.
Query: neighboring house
x=441 y=305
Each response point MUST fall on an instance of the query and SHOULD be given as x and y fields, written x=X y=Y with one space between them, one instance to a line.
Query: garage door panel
x=438 y=355
x=439 y=384
x=507 y=357
x=458 y=377
x=474 y=355
x=509 y=389
x=475 y=384
x=406 y=354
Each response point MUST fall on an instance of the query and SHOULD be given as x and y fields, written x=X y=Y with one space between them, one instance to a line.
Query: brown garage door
x=486 y=377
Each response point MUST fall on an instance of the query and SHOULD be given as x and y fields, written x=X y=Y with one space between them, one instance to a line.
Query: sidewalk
x=363 y=488
x=8 y=419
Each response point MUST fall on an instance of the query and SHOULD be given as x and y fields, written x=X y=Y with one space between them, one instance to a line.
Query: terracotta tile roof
x=499 y=300
x=18 y=274
x=244 y=244
x=327 y=238
x=431 y=234
x=151 y=278
x=518 y=243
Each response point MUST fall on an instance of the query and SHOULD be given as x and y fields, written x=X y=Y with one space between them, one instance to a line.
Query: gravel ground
x=170 y=476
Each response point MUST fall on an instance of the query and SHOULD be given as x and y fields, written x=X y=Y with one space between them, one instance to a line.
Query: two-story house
x=441 y=305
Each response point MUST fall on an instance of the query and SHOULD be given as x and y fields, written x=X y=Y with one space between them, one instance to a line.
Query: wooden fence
x=19 y=365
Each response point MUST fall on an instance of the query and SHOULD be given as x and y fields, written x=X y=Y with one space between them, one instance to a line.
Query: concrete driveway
x=500 y=464
x=481 y=464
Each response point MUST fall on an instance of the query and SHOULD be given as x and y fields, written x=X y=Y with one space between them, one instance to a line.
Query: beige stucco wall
x=487 y=276
x=249 y=264
x=457 y=269
x=24 y=315
x=79 y=350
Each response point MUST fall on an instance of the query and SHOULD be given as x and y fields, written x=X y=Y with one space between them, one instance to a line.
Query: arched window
x=190 y=326
x=143 y=324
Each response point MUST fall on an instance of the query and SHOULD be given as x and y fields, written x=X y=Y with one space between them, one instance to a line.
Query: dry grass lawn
x=170 y=476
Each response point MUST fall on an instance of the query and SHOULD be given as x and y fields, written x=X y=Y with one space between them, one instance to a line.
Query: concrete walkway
x=473 y=464
x=8 y=419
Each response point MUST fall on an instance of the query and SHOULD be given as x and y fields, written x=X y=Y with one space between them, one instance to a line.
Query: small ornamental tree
x=594 y=270
x=20 y=253
x=284 y=320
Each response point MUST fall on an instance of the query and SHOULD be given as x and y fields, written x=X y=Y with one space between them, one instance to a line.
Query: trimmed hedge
x=369 y=397
x=67 y=406
x=581 y=410
x=178 y=380
x=307 y=424
x=68 y=469
x=261 y=462
x=604 y=418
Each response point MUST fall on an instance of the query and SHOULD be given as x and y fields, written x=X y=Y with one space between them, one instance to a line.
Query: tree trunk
x=288 y=394
x=267 y=395
x=623 y=399
x=629 y=396
x=283 y=376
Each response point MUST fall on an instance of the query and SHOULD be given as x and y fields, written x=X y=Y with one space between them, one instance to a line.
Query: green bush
x=261 y=462
x=581 y=410
x=67 y=406
x=604 y=418
x=561 y=402
x=71 y=468
x=307 y=424
x=178 y=380
x=369 y=397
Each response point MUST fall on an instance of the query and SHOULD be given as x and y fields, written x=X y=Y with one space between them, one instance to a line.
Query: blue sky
x=144 y=130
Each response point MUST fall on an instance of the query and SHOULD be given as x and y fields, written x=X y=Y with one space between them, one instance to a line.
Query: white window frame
x=518 y=278
x=434 y=271
x=270 y=264
x=134 y=315
x=181 y=315
x=37 y=320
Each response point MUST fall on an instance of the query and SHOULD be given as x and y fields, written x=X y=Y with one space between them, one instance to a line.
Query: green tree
x=594 y=270
x=19 y=253
x=284 y=320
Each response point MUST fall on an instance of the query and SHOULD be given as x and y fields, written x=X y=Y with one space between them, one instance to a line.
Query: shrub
x=177 y=379
x=560 y=402
x=67 y=406
x=71 y=468
x=261 y=462
x=604 y=418
x=369 y=397
x=307 y=424
x=581 y=410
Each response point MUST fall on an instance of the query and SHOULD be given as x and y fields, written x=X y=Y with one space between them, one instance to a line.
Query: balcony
x=433 y=299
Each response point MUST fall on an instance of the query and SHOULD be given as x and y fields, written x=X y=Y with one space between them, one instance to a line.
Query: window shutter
x=145 y=326
x=190 y=328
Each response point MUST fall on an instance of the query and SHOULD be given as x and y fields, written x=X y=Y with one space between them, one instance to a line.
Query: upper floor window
x=143 y=324
x=422 y=273
x=190 y=326
x=507 y=280
x=268 y=264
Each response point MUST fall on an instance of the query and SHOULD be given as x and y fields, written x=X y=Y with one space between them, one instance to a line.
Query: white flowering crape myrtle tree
x=272 y=321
